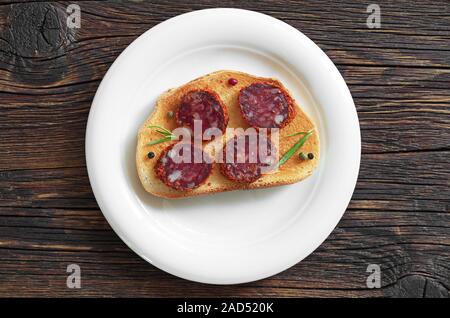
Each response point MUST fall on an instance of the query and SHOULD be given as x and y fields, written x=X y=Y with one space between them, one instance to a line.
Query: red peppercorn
x=232 y=81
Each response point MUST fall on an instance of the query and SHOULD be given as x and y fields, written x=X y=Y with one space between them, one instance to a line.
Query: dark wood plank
x=398 y=218
x=44 y=241
x=400 y=180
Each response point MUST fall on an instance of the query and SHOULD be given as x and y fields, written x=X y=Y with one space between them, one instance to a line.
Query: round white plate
x=232 y=237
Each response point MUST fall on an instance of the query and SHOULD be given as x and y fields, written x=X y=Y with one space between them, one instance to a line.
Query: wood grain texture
x=399 y=76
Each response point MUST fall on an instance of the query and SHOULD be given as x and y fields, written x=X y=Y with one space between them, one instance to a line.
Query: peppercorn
x=151 y=155
x=232 y=81
x=302 y=156
x=310 y=156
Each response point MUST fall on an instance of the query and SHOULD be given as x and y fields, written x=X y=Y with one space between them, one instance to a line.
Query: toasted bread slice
x=292 y=171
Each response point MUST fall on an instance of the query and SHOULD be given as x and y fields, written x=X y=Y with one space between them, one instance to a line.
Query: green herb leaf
x=154 y=142
x=161 y=130
x=163 y=133
x=294 y=148
x=299 y=133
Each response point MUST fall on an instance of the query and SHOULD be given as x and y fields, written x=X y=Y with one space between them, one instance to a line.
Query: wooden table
x=399 y=76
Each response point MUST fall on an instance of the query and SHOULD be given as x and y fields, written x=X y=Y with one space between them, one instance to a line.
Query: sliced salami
x=183 y=171
x=266 y=106
x=244 y=161
x=204 y=105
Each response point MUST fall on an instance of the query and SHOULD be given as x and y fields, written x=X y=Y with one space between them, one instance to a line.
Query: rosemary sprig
x=298 y=133
x=295 y=147
x=163 y=131
x=154 y=142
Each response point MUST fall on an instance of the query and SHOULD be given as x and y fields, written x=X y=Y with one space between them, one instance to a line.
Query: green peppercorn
x=170 y=114
x=151 y=155
x=310 y=156
x=302 y=156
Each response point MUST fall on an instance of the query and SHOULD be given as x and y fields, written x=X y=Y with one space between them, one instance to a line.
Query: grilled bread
x=294 y=170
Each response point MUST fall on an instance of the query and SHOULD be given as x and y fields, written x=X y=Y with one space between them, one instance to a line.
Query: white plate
x=232 y=237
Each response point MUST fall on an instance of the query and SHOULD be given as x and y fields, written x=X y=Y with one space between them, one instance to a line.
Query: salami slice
x=202 y=105
x=266 y=106
x=243 y=161
x=182 y=174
